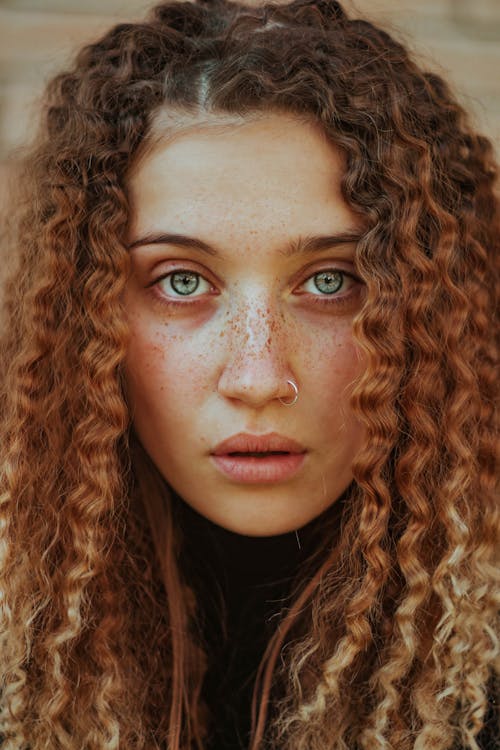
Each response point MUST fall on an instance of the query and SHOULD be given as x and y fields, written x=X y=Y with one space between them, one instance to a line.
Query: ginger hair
x=391 y=637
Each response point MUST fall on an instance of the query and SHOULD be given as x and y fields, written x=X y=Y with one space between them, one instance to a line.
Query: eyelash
x=320 y=300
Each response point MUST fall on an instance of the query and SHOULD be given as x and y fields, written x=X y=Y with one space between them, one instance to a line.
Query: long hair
x=391 y=641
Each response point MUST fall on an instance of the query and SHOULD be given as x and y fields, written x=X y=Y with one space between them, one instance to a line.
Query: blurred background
x=458 y=38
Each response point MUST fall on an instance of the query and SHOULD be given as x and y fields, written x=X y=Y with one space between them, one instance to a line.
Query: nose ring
x=296 y=395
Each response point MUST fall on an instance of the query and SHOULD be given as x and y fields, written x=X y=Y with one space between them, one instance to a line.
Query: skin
x=216 y=363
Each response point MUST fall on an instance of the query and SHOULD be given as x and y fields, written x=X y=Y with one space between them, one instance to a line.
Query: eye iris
x=185 y=282
x=328 y=281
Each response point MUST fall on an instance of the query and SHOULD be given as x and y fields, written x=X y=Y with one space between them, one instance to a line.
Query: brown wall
x=459 y=38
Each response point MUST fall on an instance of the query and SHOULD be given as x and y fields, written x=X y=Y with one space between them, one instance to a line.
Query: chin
x=260 y=527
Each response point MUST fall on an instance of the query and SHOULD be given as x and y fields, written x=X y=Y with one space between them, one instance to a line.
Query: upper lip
x=244 y=442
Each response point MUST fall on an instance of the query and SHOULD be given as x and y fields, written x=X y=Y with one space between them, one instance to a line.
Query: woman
x=248 y=396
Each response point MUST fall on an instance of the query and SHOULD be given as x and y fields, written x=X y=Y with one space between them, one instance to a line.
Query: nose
x=256 y=367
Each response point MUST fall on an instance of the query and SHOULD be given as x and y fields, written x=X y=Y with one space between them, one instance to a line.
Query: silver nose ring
x=295 y=397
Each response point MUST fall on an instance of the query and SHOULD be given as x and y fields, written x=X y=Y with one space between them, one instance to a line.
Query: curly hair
x=392 y=640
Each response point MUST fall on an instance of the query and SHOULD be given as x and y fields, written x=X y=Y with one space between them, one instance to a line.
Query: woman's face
x=221 y=322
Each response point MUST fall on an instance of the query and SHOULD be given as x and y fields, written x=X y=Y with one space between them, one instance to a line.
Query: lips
x=244 y=444
x=259 y=459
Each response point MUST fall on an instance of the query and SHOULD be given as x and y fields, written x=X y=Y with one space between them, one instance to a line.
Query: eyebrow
x=301 y=245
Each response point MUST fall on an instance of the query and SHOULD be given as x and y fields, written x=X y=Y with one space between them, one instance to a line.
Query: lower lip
x=253 y=470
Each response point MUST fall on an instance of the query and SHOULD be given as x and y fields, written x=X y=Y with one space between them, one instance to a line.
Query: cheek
x=160 y=361
x=332 y=358
x=333 y=363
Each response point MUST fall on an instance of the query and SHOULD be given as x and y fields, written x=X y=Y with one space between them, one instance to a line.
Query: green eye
x=328 y=282
x=184 y=282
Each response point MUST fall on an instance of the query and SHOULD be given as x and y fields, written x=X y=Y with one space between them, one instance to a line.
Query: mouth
x=258 y=454
x=258 y=459
x=258 y=467
x=265 y=445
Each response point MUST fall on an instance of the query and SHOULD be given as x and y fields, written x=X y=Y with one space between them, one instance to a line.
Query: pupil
x=185 y=282
x=328 y=281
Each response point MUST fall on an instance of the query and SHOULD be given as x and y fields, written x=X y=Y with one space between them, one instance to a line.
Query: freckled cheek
x=159 y=361
x=331 y=358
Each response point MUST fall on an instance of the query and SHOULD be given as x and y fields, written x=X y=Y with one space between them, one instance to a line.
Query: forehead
x=273 y=171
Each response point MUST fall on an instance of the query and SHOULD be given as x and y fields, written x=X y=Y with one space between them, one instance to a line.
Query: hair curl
x=394 y=634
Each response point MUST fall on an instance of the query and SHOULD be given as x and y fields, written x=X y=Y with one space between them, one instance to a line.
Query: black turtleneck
x=253 y=577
